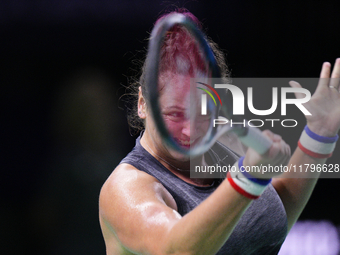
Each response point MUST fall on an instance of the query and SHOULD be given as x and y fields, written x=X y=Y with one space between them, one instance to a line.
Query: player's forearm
x=205 y=229
x=296 y=188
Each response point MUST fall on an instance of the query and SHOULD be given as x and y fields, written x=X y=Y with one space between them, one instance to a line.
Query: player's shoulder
x=119 y=197
x=127 y=181
x=126 y=174
x=125 y=177
x=127 y=199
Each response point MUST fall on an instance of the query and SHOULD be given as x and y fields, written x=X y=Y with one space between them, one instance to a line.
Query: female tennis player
x=150 y=205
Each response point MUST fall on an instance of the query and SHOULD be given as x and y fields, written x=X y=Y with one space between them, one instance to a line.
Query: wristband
x=244 y=183
x=315 y=145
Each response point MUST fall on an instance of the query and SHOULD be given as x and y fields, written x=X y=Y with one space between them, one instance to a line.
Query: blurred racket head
x=178 y=86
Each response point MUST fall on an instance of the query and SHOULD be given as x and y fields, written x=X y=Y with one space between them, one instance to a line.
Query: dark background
x=64 y=67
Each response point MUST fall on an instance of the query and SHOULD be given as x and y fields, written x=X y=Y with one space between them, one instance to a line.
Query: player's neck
x=178 y=167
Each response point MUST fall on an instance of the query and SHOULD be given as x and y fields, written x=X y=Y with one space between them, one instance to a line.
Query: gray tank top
x=261 y=230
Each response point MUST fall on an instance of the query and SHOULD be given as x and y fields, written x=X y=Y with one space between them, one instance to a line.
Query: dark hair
x=178 y=42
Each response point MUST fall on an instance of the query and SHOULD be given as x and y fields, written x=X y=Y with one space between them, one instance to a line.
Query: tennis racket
x=191 y=100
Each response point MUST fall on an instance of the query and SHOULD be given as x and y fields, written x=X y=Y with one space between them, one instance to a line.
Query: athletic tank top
x=261 y=230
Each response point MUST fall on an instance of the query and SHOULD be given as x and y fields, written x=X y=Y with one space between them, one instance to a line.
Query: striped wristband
x=244 y=183
x=315 y=145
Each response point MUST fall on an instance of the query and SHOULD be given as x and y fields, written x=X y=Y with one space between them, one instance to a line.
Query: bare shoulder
x=129 y=202
x=126 y=181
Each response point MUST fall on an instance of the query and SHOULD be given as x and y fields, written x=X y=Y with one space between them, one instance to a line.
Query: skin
x=139 y=216
x=176 y=106
x=325 y=108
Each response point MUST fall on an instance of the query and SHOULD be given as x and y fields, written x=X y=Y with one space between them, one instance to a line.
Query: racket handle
x=256 y=140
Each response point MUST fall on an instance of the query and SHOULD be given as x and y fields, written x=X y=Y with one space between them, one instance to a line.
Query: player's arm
x=295 y=192
x=324 y=121
x=139 y=215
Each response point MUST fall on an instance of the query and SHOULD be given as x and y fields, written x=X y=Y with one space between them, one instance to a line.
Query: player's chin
x=178 y=156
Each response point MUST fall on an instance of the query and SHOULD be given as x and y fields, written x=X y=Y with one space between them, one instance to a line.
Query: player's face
x=181 y=110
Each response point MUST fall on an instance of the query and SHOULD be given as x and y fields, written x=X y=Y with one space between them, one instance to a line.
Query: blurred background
x=67 y=63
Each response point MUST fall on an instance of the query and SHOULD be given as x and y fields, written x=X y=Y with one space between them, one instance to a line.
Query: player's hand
x=325 y=102
x=277 y=155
